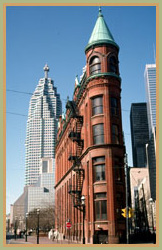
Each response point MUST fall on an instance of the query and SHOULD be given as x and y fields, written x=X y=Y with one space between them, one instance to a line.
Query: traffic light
x=123 y=212
x=130 y=212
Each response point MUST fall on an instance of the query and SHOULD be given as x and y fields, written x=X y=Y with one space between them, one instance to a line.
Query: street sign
x=68 y=225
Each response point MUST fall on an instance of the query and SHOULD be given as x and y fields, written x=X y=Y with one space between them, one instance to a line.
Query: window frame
x=114 y=106
x=115 y=134
x=44 y=167
x=113 y=65
x=96 y=108
x=95 y=65
x=118 y=165
x=100 y=205
x=99 y=162
x=99 y=134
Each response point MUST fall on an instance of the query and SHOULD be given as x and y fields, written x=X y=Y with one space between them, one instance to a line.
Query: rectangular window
x=98 y=134
x=98 y=159
x=99 y=172
x=44 y=167
x=100 y=195
x=114 y=106
x=100 y=206
x=115 y=134
x=97 y=105
x=104 y=210
x=119 y=168
x=99 y=168
x=97 y=210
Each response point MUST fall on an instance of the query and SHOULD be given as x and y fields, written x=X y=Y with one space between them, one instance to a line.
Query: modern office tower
x=44 y=110
x=150 y=83
x=139 y=133
x=90 y=180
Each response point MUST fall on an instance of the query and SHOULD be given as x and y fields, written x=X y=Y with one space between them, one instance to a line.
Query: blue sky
x=58 y=36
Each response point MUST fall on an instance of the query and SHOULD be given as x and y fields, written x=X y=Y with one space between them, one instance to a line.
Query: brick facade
x=90 y=154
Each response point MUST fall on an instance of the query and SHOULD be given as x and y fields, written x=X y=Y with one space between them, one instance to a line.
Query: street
x=45 y=240
x=10 y=239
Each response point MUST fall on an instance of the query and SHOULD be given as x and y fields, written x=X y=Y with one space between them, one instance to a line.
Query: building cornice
x=104 y=75
x=100 y=43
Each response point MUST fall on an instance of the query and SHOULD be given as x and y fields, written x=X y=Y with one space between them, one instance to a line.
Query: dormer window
x=95 y=65
x=113 y=64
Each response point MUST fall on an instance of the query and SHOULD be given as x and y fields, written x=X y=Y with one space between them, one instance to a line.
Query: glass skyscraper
x=44 y=110
x=139 y=133
x=150 y=82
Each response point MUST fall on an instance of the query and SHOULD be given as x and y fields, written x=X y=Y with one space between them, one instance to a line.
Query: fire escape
x=75 y=135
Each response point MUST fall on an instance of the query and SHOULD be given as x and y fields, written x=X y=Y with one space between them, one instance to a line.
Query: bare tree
x=46 y=219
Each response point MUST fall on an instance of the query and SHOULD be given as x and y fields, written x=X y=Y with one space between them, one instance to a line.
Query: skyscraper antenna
x=46 y=70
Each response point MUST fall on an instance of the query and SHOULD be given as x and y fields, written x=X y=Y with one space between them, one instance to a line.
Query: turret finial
x=100 y=11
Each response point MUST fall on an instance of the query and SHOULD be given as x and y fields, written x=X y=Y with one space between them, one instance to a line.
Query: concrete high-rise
x=139 y=133
x=44 y=110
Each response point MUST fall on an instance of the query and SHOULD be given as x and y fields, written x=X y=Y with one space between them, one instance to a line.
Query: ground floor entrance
x=101 y=237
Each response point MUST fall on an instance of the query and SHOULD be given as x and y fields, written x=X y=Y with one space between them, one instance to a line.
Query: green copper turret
x=101 y=33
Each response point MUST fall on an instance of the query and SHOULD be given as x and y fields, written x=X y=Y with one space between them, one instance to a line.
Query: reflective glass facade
x=150 y=82
x=139 y=133
x=42 y=194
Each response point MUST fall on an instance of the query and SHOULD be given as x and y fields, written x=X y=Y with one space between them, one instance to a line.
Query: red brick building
x=90 y=149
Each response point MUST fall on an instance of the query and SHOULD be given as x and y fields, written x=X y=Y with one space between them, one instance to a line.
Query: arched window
x=95 y=65
x=113 y=64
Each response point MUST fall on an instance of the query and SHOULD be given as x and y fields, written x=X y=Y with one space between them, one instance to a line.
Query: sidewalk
x=42 y=240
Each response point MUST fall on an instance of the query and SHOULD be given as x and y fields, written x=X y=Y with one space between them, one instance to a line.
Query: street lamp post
x=7 y=224
x=126 y=191
x=38 y=211
x=15 y=227
x=26 y=227
x=83 y=205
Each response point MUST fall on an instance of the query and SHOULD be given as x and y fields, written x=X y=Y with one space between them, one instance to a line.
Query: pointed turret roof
x=101 y=33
